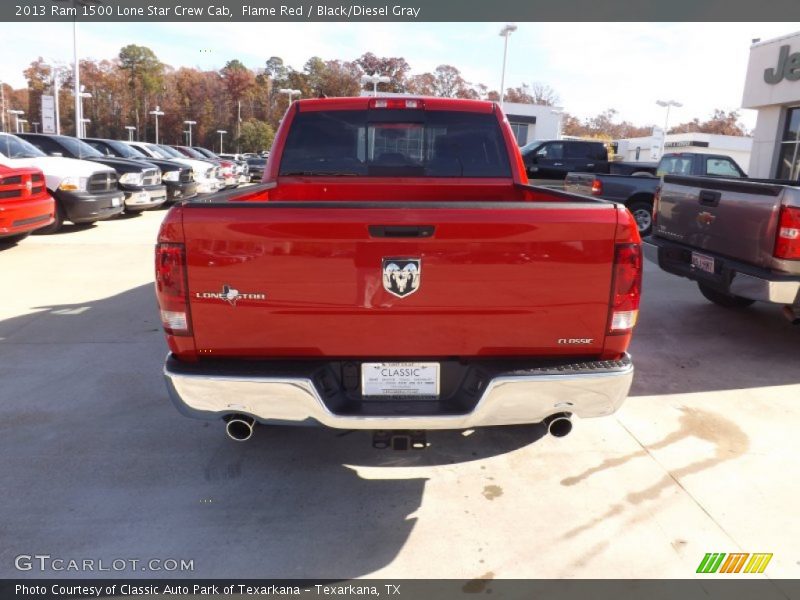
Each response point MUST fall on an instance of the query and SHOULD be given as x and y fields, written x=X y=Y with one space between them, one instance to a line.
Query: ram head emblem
x=401 y=276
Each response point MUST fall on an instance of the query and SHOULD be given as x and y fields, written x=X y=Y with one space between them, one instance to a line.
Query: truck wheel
x=723 y=299
x=642 y=211
x=56 y=224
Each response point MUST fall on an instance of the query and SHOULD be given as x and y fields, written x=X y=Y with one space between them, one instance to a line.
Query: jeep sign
x=788 y=67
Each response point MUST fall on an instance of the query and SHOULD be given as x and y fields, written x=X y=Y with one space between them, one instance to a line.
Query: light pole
x=559 y=112
x=190 y=123
x=221 y=132
x=35 y=126
x=130 y=129
x=83 y=126
x=76 y=79
x=667 y=104
x=375 y=80
x=505 y=32
x=290 y=93
x=157 y=113
x=81 y=96
x=21 y=122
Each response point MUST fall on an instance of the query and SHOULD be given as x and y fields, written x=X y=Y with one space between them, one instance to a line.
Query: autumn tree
x=145 y=75
x=255 y=136
x=721 y=123
x=395 y=68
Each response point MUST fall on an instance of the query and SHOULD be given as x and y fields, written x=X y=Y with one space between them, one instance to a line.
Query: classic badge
x=401 y=276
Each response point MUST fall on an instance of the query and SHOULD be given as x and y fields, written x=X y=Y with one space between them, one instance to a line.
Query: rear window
x=675 y=165
x=412 y=143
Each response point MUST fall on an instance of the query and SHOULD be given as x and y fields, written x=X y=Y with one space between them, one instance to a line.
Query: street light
x=221 y=132
x=81 y=96
x=667 y=104
x=505 y=32
x=22 y=122
x=16 y=114
x=130 y=129
x=190 y=123
x=157 y=113
x=375 y=80
x=290 y=93
x=83 y=126
x=35 y=126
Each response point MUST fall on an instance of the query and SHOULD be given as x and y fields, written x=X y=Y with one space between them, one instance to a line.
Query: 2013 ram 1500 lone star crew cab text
x=395 y=271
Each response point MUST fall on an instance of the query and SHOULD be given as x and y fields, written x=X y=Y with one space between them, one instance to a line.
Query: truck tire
x=723 y=299
x=56 y=224
x=642 y=211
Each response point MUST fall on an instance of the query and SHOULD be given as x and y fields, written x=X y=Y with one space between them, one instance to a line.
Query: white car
x=84 y=191
x=205 y=173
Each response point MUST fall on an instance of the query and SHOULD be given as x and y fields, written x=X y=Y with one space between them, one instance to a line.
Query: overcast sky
x=592 y=66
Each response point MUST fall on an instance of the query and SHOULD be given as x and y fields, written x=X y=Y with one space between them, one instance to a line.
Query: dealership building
x=772 y=87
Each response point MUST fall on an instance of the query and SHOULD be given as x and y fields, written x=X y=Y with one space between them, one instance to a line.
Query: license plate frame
x=703 y=263
x=400 y=379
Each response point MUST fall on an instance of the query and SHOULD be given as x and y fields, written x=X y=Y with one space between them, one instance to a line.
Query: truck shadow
x=98 y=461
x=685 y=344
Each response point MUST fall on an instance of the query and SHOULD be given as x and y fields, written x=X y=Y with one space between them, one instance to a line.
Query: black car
x=257 y=166
x=553 y=159
x=176 y=176
x=139 y=181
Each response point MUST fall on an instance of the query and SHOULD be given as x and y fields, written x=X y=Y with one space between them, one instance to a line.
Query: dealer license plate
x=400 y=379
x=703 y=262
x=116 y=200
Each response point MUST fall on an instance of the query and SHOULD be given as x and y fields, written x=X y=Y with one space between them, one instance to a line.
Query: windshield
x=414 y=143
x=530 y=146
x=166 y=151
x=192 y=153
x=205 y=153
x=14 y=147
x=124 y=150
x=78 y=148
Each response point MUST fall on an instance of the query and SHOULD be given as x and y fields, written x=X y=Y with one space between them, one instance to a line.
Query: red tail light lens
x=787 y=242
x=627 y=288
x=172 y=290
x=597 y=187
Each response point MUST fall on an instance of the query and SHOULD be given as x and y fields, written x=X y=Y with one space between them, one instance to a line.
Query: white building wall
x=765 y=142
x=548 y=119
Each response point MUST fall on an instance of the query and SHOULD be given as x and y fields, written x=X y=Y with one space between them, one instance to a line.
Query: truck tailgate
x=737 y=219
x=306 y=279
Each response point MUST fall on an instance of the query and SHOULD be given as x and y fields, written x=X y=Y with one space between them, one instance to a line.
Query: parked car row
x=90 y=179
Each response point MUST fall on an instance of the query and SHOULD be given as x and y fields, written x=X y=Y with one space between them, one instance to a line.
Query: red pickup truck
x=394 y=271
x=25 y=204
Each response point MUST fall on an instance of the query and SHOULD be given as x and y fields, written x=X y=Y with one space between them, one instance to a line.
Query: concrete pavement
x=97 y=464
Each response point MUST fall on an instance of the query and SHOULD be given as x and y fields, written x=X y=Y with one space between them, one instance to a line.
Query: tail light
x=597 y=187
x=626 y=288
x=396 y=103
x=172 y=289
x=787 y=242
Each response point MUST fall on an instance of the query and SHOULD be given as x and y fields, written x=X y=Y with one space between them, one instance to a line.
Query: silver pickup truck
x=738 y=239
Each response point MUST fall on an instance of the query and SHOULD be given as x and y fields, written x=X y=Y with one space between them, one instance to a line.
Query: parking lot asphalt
x=97 y=464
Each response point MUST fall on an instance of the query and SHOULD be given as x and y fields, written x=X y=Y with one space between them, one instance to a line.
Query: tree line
x=248 y=104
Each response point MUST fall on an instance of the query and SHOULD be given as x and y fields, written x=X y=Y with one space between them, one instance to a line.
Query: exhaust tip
x=559 y=425
x=240 y=427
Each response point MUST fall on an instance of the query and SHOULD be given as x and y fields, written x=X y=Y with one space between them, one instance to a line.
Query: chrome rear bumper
x=586 y=390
